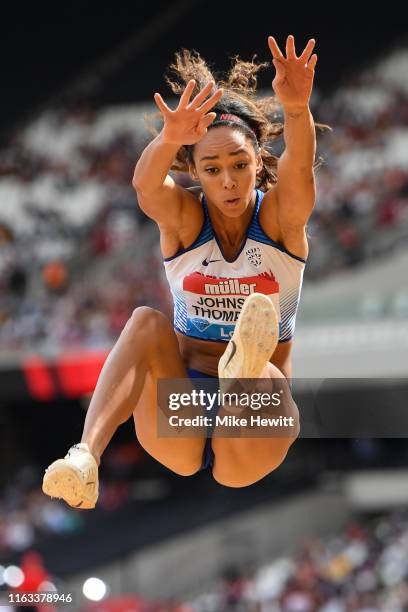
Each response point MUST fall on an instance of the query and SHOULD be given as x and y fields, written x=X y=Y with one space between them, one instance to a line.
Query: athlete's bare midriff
x=201 y=355
x=204 y=355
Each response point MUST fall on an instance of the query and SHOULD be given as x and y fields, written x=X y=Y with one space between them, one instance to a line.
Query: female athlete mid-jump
x=234 y=252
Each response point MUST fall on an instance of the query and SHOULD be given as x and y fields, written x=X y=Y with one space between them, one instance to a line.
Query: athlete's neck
x=231 y=231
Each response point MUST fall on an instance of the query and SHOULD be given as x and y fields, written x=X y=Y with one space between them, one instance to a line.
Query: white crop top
x=209 y=291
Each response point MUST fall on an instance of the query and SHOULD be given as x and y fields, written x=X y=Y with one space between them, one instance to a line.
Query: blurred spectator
x=55 y=276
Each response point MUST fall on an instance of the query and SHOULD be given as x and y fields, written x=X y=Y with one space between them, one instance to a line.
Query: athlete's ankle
x=92 y=450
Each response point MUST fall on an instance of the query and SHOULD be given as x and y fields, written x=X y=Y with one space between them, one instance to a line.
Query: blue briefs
x=208 y=453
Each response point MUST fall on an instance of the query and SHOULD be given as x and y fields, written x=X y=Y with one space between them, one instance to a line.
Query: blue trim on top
x=256 y=232
x=206 y=234
x=259 y=196
x=197 y=337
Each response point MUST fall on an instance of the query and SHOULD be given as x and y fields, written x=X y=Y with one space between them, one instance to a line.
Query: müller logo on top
x=211 y=285
x=229 y=286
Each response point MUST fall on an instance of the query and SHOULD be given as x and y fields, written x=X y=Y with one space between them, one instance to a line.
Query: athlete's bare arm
x=158 y=195
x=295 y=191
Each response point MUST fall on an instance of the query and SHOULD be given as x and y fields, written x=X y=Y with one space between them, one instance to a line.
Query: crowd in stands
x=362 y=569
x=77 y=255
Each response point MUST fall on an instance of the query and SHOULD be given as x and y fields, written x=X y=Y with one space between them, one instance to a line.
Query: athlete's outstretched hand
x=293 y=81
x=188 y=123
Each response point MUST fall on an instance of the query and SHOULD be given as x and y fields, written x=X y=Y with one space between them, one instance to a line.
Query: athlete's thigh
x=181 y=450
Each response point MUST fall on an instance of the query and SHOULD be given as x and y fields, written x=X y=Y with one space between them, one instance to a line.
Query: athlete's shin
x=121 y=380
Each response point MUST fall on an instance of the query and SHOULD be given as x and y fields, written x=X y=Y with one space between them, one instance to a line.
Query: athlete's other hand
x=188 y=123
x=293 y=81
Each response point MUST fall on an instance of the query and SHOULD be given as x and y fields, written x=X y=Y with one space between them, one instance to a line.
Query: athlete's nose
x=228 y=181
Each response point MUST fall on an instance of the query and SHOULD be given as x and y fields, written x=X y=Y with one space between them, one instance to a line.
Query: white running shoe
x=254 y=339
x=74 y=478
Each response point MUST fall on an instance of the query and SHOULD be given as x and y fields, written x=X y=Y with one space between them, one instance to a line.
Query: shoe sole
x=254 y=339
x=64 y=481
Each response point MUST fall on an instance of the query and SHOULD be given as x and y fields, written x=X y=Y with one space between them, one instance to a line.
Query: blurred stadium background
x=328 y=530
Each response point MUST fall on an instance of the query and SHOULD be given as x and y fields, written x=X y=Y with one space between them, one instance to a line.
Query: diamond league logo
x=254 y=256
x=200 y=324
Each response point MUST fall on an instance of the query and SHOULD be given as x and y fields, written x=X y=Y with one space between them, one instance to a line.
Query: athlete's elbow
x=144 y=191
x=140 y=183
x=139 y=186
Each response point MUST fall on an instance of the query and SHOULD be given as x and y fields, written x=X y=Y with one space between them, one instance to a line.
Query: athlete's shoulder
x=293 y=239
x=192 y=204
x=268 y=214
x=269 y=197
x=191 y=216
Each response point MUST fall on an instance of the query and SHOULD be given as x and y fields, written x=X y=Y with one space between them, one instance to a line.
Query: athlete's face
x=226 y=165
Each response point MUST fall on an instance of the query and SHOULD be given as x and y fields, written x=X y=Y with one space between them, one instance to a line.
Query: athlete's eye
x=211 y=170
x=241 y=165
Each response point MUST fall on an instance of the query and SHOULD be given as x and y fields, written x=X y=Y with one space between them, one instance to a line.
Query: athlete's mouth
x=232 y=201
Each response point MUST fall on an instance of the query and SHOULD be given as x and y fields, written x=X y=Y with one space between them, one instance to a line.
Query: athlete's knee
x=149 y=321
